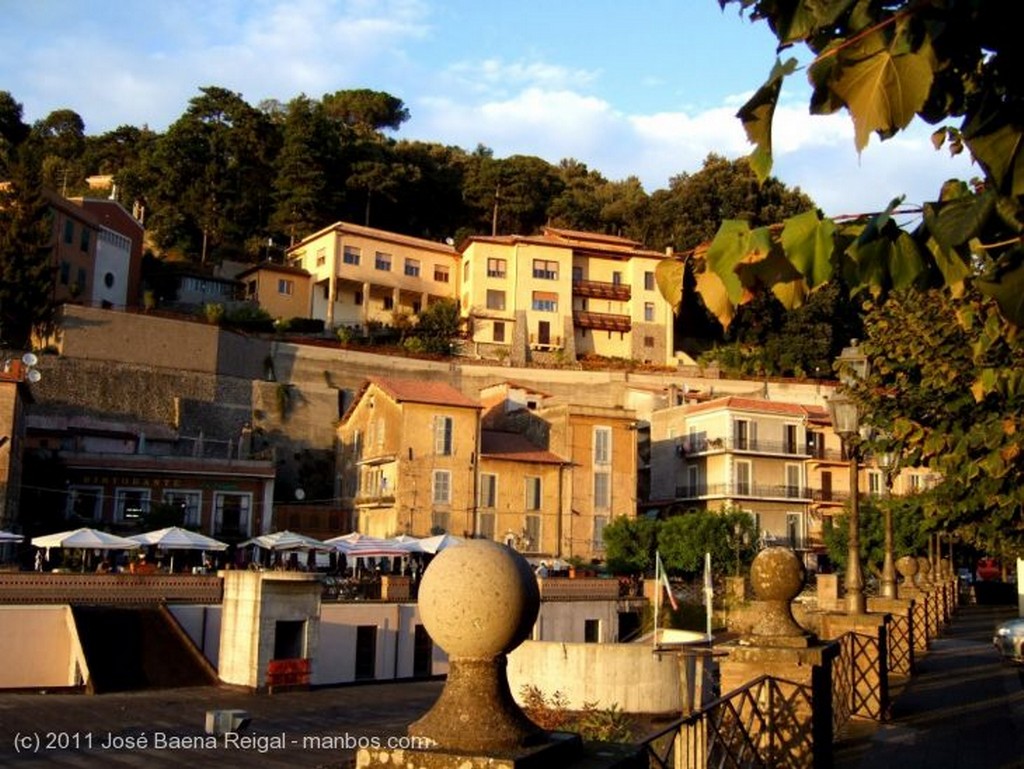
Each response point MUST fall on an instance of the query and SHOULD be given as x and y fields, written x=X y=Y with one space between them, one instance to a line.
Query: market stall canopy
x=175 y=538
x=9 y=536
x=287 y=540
x=439 y=542
x=85 y=538
x=357 y=545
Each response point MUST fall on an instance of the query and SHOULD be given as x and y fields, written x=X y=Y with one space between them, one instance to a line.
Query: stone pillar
x=907 y=567
x=828 y=592
x=777 y=646
x=901 y=643
x=479 y=600
x=261 y=610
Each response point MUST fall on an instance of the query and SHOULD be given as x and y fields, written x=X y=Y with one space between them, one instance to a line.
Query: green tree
x=887 y=63
x=684 y=539
x=26 y=275
x=909 y=526
x=946 y=391
x=438 y=326
x=365 y=110
x=629 y=545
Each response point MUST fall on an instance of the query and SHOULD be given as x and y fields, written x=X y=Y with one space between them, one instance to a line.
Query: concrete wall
x=40 y=648
x=628 y=676
x=566 y=621
x=202 y=624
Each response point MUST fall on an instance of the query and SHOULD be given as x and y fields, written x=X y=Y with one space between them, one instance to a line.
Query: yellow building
x=564 y=293
x=281 y=290
x=407 y=458
x=362 y=275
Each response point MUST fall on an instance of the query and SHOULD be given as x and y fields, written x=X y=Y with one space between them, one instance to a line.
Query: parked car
x=1009 y=639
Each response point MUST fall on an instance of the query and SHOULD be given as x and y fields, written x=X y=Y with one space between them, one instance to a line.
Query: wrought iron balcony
x=695 y=446
x=749 y=490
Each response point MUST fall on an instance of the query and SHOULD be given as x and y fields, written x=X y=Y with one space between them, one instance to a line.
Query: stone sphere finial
x=907 y=567
x=924 y=569
x=777 y=576
x=478 y=601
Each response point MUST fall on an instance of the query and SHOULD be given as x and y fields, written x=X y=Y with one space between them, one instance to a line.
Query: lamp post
x=889 y=462
x=853 y=366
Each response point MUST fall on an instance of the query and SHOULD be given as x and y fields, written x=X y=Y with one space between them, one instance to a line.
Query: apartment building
x=567 y=293
x=361 y=275
x=117 y=275
x=14 y=393
x=407 y=460
x=280 y=289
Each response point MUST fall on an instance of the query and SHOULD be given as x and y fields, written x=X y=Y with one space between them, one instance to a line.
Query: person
x=542 y=570
x=39 y=560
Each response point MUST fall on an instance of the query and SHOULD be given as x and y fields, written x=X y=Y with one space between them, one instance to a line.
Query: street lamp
x=853 y=366
x=888 y=461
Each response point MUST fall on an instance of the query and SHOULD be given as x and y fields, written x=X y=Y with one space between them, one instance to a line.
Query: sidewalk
x=963 y=709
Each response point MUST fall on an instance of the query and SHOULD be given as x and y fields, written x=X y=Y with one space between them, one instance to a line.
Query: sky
x=644 y=88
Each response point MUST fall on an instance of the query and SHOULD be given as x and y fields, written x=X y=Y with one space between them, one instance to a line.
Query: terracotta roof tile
x=420 y=391
x=755 y=404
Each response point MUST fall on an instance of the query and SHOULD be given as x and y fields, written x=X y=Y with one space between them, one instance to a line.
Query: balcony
x=602 y=321
x=598 y=289
x=693 y=446
x=550 y=343
x=747 y=490
x=374 y=500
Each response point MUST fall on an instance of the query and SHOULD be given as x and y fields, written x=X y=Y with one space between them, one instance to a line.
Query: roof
x=592 y=243
x=285 y=269
x=383 y=235
x=515 y=447
x=420 y=391
x=757 y=405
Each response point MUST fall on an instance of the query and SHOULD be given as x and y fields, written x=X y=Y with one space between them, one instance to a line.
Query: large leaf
x=1000 y=152
x=1007 y=289
x=766 y=266
x=669 y=277
x=799 y=20
x=808 y=242
x=716 y=297
x=955 y=222
x=905 y=262
x=882 y=86
x=730 y=246
x=757 y=115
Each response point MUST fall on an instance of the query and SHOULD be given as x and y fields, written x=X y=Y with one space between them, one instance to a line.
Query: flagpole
x=657 y=594
x=709 y=591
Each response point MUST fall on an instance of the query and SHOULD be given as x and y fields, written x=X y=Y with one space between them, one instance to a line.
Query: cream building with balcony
x=361 y=275
x=566 y=293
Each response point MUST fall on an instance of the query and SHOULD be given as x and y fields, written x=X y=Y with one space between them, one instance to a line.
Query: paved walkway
x=963 y=709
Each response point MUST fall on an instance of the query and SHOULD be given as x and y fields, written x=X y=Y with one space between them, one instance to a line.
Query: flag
x=664 y=581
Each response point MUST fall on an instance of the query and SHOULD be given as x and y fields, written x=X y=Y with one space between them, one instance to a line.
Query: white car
x=1009 y=639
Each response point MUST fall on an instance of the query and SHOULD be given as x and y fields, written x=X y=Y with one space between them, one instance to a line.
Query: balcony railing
x=694 y=446
x=552 y=342
x=602 y=290
x=755 y=490
x=374 y=500
x=602 y=321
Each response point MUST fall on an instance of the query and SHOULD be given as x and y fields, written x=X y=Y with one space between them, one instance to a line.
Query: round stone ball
x=478 y=599
x=907 y=566
x=776 y=574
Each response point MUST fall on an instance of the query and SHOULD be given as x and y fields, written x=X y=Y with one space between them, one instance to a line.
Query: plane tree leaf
x=808 y=241
x=757 y=115
x=716 y=297
x=669 y=278
x=1007 y=289
x=732 y=244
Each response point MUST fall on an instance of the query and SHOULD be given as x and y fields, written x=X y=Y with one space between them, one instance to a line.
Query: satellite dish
x=33 y=376
x=300 y=494
x=30 y=359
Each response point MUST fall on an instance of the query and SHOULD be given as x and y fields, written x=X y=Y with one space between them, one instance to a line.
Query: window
x=602 y=491
x=743 y=477
x=285 y=286
x=649 y=281
x=793 y=481
x=357 y=297
x=649 y=312
x=499 y=331
x=485 y=525
x=85 y=502
x=80 y=279
x=648 y=341
x=231 y=514
x=531 y=539
x=602 y=445
x=440 y=273
x=84 y=243
x=789 y=442
x=794 y=529
x=465 y=271
x=442 y=487
x=915 y=483
x=388 y=303
x=412 y=268
x=544 y=301
x=69 y=231
x=745 y=434
x=532 y=493
x=874 y=483
x=382 y=261
x=65 y=273
x=351 y=256
x=130 y=504
x=545 y=270
x=591 y=631
x=443 y=436
x=544 y=332
x=321 y=257
x=495 y=300
x=495 y=268
x=488 y=490
x=600 y=521
x=616 y=278
x=189 y=503
x=577 y=274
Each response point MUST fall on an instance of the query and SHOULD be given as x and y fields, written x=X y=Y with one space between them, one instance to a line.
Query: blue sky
x=645 y=88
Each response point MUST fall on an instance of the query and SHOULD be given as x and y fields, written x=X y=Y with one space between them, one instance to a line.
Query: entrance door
x=544 y=332
x=366 y=652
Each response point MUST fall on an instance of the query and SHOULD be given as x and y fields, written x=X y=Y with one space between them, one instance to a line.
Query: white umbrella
x=9 y=536
x=287 y=540
x=175 y=538
x=439 y=542
x=86 y=538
